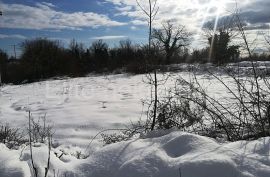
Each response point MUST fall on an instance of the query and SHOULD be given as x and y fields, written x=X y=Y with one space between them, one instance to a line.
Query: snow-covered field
x=78 y=108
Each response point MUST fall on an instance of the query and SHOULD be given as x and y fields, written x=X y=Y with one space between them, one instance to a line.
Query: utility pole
x=14 y=50
x=1 y=13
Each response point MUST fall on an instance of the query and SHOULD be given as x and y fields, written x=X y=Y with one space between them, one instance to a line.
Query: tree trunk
x=155 y=102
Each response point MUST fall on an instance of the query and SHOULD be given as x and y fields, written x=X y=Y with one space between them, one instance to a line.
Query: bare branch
x=142 y=8
x=172 y=38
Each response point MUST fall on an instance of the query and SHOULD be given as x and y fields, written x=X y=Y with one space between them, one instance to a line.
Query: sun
x=220 y=5
x=214 y=8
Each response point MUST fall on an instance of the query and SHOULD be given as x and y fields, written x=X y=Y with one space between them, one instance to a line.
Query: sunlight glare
x=219 y=5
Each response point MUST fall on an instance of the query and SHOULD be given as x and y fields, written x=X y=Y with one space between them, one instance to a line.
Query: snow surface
x=10 y=165
x=79 y=108
x=156 y=155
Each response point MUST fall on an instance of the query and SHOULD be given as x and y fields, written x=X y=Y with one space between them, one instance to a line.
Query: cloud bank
x=108 y=37
x=44 y=16
x=194 y=13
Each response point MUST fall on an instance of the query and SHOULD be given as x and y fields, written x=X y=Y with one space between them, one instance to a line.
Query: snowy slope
x=193 y=155
x=157 y=155
x=10 y=164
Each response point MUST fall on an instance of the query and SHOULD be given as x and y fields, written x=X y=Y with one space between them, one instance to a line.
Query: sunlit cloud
x=44 y=16
x=191 y=13
x=108 y=37
x=12 y=36
x=194 y=14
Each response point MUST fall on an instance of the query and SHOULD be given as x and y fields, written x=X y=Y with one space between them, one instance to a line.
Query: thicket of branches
x=243 y=114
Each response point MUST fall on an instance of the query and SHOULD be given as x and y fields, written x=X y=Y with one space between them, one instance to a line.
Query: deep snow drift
x=158 y=154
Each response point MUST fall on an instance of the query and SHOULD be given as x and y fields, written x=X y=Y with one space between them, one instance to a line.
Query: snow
x=157 y=155
x=79 y=108
x=10 y=165
x=193 y=155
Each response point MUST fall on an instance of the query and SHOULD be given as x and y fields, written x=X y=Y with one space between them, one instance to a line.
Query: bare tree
x=76 y=49
x=172 y=38
x=151 y=13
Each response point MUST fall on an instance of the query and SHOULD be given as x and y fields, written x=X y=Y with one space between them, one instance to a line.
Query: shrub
x=11 y=137
x=243 y=115
x=42 y=58
x=40 y=129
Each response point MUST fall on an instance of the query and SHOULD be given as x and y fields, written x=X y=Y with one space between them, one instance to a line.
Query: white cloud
x=44 y=16
x=12 y=36
x=48 y=4
x=108 y=37
x=139 y=22
x=123 y=9
x=191 y=13
x=133 y=28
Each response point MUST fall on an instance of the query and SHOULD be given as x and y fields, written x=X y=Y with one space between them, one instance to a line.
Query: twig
x=30 y=143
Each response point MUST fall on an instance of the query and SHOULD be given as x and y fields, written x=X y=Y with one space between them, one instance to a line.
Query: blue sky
x=109 y=30
x=111 y=20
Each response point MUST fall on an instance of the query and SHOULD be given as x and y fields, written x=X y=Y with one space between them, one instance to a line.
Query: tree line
x=43 y=58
